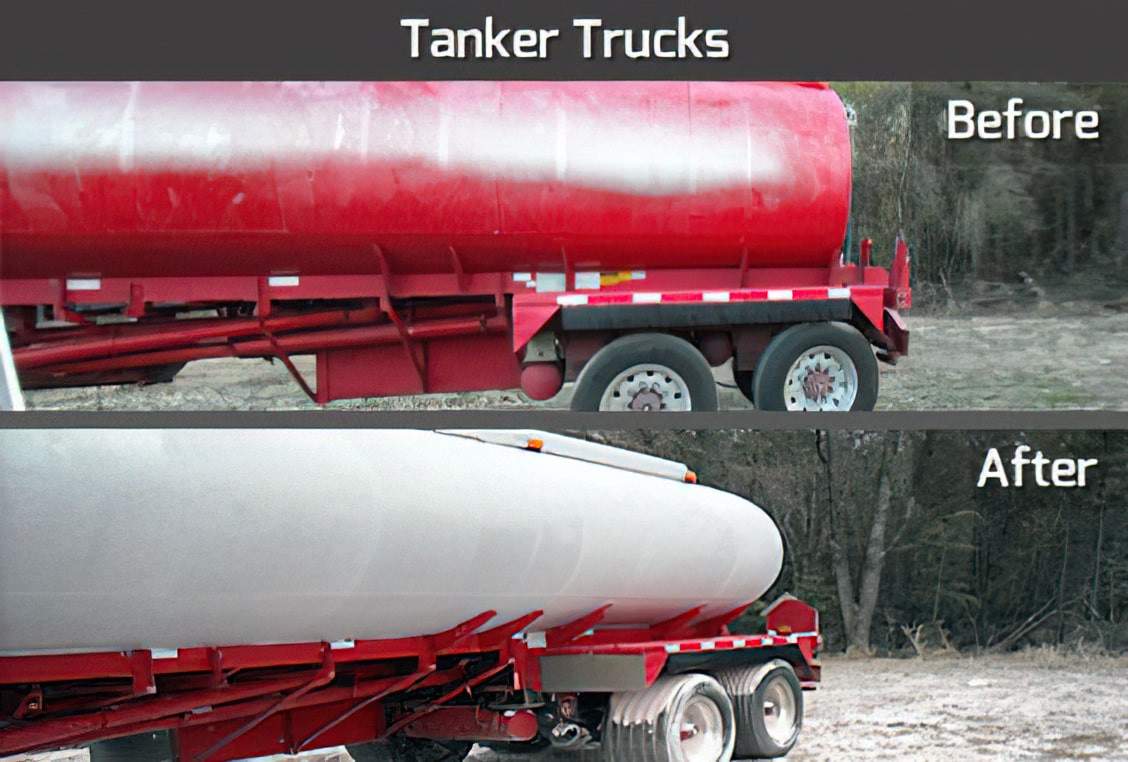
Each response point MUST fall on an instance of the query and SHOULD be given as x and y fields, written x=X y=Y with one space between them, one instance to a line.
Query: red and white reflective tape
x=712 y=297
x=724 y=644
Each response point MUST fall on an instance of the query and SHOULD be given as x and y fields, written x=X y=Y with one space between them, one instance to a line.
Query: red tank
x=198 y=179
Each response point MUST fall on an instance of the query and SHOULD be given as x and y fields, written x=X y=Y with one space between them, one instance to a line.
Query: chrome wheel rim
x=822 y=378
x=646 y=387
x=780 y=713
x=701 y=730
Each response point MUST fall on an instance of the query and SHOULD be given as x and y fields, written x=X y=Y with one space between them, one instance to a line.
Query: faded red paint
x=207 y=179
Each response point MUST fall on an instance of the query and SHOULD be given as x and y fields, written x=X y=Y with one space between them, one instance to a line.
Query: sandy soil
x=1067 y=359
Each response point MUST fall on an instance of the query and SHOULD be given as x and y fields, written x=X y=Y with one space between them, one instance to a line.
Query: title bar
x=366 y=39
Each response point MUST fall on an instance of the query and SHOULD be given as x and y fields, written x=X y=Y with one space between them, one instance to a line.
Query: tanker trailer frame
x=570 y=687
x=799 y=338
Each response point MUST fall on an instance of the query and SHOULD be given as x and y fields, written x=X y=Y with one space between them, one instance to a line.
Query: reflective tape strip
x=340 y=645
x=283 y=281
x=712 y=297
x=613 y=298
x=726 y=644
x=165 y=653
x=588 y=280
x=84 y=284
x=681 y=296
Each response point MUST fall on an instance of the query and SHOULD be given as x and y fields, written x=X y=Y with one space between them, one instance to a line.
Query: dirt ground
x=1020 y=706
x=1050 y=357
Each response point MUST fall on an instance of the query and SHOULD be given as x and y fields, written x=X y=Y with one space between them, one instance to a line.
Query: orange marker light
x=690 y=476
x=534 y=444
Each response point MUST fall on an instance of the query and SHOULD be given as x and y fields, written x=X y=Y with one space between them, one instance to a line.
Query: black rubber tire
x=638 y=348
x=638 y=723
x=746 y=687
x=771 y=370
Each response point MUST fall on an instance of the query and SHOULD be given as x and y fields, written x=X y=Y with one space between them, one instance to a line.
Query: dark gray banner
x=563 y=420
x=362 y=39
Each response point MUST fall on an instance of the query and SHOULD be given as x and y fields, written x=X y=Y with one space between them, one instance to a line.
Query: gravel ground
x=1066 y=359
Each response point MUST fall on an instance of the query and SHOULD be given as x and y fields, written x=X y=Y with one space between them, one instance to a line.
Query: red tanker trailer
x=423 y=237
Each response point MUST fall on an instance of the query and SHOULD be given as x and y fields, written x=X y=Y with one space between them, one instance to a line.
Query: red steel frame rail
x=490 y=304
x=237 y=701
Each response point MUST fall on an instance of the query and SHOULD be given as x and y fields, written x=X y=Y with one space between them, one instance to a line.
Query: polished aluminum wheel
x=646 y=387
x=780 y=712
x=822 y=378
x=701 y=729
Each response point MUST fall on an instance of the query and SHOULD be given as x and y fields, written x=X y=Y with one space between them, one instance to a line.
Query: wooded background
x=989 y=209
x=889 y=537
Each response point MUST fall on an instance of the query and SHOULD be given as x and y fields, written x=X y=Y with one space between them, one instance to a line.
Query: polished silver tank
x=119 y=539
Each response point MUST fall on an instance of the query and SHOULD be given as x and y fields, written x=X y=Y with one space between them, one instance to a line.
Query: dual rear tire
x=768 y=706
x=747 y=712
x=825 y=367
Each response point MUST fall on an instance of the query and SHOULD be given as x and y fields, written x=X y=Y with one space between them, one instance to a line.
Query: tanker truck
x=424 y=237
x=266 y=591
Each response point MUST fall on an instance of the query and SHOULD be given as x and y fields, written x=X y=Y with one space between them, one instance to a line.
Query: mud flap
x=898 y=334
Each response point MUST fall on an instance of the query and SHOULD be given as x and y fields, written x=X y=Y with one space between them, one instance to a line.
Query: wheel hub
x=701 y=730
x=780 y=711
x=646 y=387
x=647 y=399
x=822 y=378
x=818 y=385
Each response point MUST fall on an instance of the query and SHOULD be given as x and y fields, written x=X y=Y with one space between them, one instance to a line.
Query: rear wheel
x=681 y=718
x=767 y=702
x=825 y=367
x=646 y=372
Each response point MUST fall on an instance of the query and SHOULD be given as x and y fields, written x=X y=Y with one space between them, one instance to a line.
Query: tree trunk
x=874 y=563
x=859 y=602
x=1121 y=244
